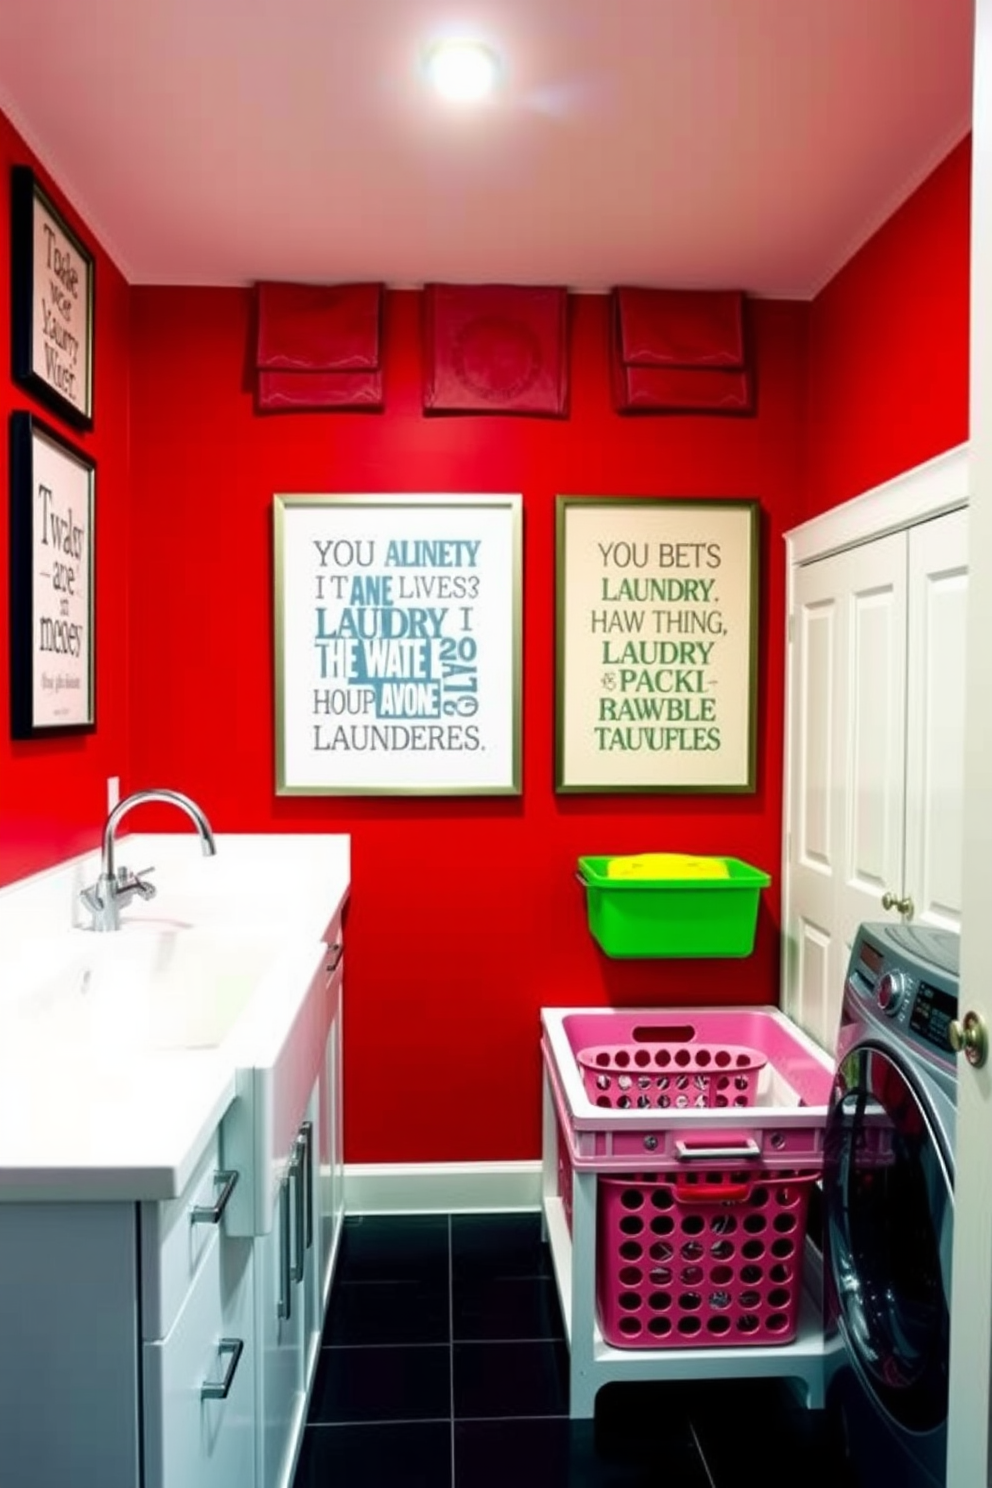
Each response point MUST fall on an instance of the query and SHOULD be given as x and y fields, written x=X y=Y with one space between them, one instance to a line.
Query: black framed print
x=52 y=288
x=52 y=642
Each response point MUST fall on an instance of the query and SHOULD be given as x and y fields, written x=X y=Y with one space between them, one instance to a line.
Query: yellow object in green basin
x=666 y=865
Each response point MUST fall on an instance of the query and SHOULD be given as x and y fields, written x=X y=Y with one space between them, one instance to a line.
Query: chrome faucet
x=116 y=887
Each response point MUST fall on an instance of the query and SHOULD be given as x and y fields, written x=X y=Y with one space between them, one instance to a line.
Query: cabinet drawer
x=199 y=1389
x=174 y=1244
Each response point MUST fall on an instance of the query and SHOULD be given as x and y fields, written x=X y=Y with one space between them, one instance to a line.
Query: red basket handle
x=711 y=1193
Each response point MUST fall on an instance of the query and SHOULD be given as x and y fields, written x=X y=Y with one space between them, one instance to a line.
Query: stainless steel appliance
x=888 y=1204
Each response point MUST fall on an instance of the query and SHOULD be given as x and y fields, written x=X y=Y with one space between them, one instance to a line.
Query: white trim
x=929 y=490
x=441 y=1188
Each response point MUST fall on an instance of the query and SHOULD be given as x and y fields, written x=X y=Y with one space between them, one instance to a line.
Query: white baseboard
x=441 y=1188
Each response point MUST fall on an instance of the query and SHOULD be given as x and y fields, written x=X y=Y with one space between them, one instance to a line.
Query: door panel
x=846 y=768
x=938 y=581
x=812 y=958
x=872 y=699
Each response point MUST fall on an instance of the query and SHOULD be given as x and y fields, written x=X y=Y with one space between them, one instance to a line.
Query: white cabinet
x=152 y=1345
x=198 y=1385
x=329 y=1132
x=875 y=751
x=294 y=1261
x=280 y=1398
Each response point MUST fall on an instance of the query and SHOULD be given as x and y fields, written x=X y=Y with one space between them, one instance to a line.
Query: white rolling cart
x=582 y=1142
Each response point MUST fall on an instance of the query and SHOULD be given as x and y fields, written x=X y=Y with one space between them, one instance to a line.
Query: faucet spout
x=116 y=887
x=164 y=797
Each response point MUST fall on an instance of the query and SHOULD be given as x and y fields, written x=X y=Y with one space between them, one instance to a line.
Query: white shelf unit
x=594 y=1363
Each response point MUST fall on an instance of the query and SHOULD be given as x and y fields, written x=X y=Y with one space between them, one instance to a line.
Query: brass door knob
x=892 y=901
x=971 y=1036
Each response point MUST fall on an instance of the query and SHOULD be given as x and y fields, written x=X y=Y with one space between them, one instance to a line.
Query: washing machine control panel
x=910 y=974
x=934 y=1009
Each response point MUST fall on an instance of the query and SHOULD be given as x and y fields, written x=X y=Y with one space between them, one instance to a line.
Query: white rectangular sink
x=220 y=983
x=148 y=987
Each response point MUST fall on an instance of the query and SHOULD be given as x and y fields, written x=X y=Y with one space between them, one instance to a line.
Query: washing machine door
x=888 y=1202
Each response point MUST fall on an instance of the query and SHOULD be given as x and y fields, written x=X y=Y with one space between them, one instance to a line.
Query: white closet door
x=938 y=579
x=815 y=837
x=873 y=697
x=847 y=719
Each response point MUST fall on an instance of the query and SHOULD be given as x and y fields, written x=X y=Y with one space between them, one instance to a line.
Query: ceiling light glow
x=462 y=71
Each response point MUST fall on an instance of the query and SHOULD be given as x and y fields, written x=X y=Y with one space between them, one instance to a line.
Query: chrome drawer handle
x=211 y=1213
x=306 y=1137
x=284 y=1308
x=296 y=1171
x=219 y=1389
x=687 y=1152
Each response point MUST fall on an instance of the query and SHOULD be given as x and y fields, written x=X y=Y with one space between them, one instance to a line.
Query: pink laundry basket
x=701 y=1259
x=670 y=1076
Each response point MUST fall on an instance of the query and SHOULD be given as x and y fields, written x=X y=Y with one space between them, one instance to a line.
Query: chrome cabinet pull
x=335 y=953
x=296 y=1174
x=285 y=1306
x=219 y=1389
x=212 y=1213
x=306 y=1137
x=892 y=901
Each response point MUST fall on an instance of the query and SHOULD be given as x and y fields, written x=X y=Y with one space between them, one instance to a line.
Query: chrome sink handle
x=126 y=885
x=116 y=887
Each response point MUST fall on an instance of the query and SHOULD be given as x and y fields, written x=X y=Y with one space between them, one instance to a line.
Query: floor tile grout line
x=449 y=1342
x=438 y=1421
x=436 y=1343
x=702 y=1455
x=376 y=1421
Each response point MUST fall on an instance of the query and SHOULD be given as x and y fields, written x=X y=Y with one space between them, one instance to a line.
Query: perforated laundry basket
x=700 y=1259
x=665 y=1076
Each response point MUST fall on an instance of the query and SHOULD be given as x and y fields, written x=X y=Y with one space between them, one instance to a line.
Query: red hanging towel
x=495 y=348
x=679 y=351
x=319 y=347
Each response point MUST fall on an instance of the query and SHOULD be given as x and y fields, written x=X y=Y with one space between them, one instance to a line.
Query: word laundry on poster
x=398 y=644
x=656 y=644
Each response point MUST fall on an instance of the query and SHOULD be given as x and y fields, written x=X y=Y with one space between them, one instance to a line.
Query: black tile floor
x=443 y=1364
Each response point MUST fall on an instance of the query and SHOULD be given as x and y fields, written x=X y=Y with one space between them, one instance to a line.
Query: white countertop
x=88 y=1111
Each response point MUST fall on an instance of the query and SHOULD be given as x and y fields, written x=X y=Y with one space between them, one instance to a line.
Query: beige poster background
x=656 y=638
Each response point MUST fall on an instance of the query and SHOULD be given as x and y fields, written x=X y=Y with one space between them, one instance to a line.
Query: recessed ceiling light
x=462 y=71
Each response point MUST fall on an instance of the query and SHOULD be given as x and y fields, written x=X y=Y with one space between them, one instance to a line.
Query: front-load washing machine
x=888 y=1187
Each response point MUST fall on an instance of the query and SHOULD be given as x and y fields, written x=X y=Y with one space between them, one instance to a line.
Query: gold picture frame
x=656 y=644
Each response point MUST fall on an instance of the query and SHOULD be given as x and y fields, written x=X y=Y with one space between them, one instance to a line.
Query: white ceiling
x=693 y=143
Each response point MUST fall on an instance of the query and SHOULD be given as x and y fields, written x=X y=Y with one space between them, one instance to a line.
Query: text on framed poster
x=52 y=274
x=656 y=644
x=397 y=644
x=51 y=581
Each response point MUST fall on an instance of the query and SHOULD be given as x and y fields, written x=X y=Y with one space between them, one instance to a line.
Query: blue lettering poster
x=398 y=643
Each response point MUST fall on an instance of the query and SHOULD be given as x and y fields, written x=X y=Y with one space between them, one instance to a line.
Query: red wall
x=466 y=917
x=53 y=792
x=888 y=345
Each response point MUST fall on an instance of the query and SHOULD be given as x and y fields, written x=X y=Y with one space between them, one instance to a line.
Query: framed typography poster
x=397 y=644
x=52 y=647
x=657 y=605
x=52 y=286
